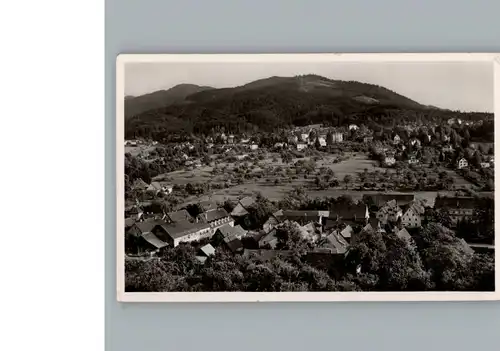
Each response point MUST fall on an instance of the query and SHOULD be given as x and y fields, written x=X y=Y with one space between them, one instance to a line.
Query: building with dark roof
x=357 y=213
x=380 y=199
x=175 y=233
x=244 y=204
x=215 y=218
x=179 y=216
x=457 y=207
x=304 y=217
x=139 y=228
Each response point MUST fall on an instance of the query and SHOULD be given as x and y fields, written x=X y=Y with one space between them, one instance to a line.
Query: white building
x=462 y=163
x=389 y=160
x=254 y=147
x=353 y=127
x=301 y=146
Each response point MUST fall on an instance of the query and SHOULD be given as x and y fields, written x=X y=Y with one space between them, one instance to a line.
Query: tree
x=329 y=138
x=347 y=180
x=317 y=144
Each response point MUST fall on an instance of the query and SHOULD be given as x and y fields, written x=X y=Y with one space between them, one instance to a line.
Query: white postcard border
x=123 y=296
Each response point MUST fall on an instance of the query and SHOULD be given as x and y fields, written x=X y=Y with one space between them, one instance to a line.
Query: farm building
x=175 y=233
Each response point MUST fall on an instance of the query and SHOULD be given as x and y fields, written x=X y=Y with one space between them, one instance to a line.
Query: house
x=241 y=209
x=179 y=216
x=139 y=185
x=273 y=220
x=367 y=139
x=447 y=148
x=341 y=213
x=266 y=255
x=304 y=217
x=415 y=142
x=396 y=139
x=215 y=218
x=411 y=218
x=269 y=240
x=293 y=139
x=157 y=187
x=337 y=137
x=279 y=145
x=228 y=231
x=129 y=222
x=389 y=160
x=485 y=165
x=353 y=127
x=379 y=200
x=374 y=225
x=458 y=207
x=413 y=160
x=207 y=206
x=304 y=137
x=322 y=142
x=234 y=245
x=254 y=147
x=230 y=139
x=244 y=141
x=462 y=163
x=241 y=157
x=175 y=233
x=446 y=138
x=206 y=251
x=390 y=212
x=404 y=235
x=347 y=233
x=310 y=231
x=336 y=243
x=148 y=242
x=301 y=146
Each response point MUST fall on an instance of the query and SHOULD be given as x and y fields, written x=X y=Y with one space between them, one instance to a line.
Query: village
x=162 y=213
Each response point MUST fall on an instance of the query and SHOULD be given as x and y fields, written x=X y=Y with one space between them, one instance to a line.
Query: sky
x=463 y=86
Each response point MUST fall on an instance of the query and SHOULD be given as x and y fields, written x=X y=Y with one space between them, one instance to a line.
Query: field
x=355 y=164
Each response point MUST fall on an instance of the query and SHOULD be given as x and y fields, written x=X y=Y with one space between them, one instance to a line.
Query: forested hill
x=138 y=104
x=266 y=104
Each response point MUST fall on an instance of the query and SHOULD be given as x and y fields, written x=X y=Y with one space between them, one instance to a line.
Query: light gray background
x=216 y=26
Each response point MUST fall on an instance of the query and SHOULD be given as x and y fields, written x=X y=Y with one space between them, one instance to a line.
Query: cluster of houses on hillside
x=332 y=230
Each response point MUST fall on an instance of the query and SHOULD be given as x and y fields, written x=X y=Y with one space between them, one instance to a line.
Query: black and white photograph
x=299 y=174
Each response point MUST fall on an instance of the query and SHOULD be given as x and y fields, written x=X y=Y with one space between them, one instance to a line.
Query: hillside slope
x=138 y=104
x=273 y=102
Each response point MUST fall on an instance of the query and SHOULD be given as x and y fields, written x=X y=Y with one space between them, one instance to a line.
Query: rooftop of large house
x=213 y=215
x=305 y=215
x=180 y=229
x=147 y=225
x=179 y=216
x=454 y=202
x=207 y=250
x=153 y=240
x=247 y=201
x=227 y=231
x=356 y=211
x=381 y=199
x=403 y=234
x=266 y=254
x=208 y=205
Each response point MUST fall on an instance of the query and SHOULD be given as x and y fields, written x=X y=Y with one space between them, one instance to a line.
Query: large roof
x=213 y=215
x=208 y=250
x=454 y=202
x=381 y=199
x=180 y=229
x=179 y=216
x=147 y=225
x=342 y=211
x=153 y=240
